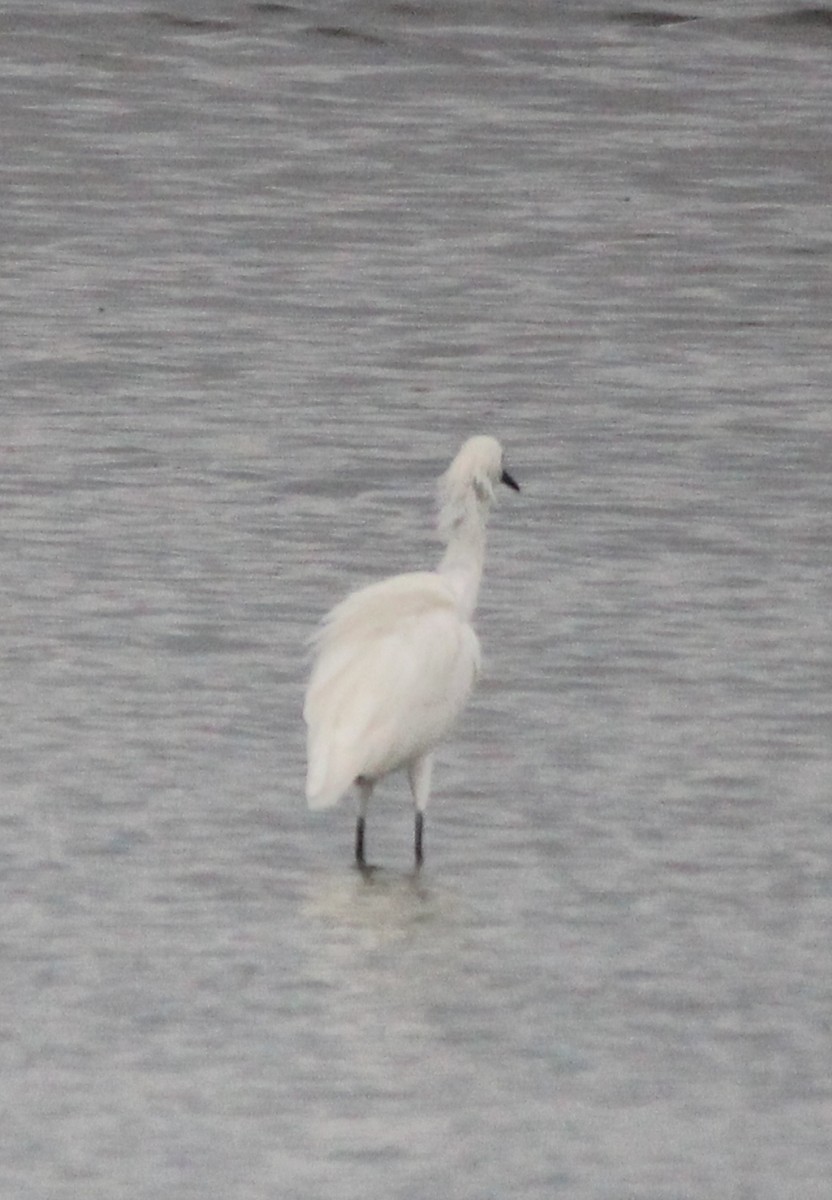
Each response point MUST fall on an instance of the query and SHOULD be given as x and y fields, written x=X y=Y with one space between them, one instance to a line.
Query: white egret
x=395 y=662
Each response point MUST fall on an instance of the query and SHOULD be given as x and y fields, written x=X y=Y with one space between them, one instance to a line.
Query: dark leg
x=419 y=775
x=359 y=841
x=420 y=824
x=365 y=791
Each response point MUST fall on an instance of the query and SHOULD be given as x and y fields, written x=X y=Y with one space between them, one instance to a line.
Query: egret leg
x=419 y=773
x=417 y=841
x=365 y=791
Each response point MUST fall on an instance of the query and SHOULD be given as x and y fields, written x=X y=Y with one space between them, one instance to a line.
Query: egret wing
x=396 y=664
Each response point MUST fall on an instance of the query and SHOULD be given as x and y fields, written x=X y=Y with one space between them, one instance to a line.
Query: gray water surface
x=264 y=267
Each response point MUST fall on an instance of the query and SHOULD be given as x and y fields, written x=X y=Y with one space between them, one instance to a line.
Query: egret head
x=472 y=478
x=479 y=465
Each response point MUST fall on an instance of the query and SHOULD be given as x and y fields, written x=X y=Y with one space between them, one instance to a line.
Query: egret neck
x=462 y=563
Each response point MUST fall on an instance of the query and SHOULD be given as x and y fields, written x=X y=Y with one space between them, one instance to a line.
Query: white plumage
x=395 y=662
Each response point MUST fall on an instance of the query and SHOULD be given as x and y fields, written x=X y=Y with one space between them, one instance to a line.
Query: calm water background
x=264 y=267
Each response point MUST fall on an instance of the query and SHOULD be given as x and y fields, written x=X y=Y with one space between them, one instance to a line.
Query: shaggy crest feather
x=467 y=487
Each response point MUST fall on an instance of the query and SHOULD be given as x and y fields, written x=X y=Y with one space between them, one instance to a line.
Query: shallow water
x=265 y=267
